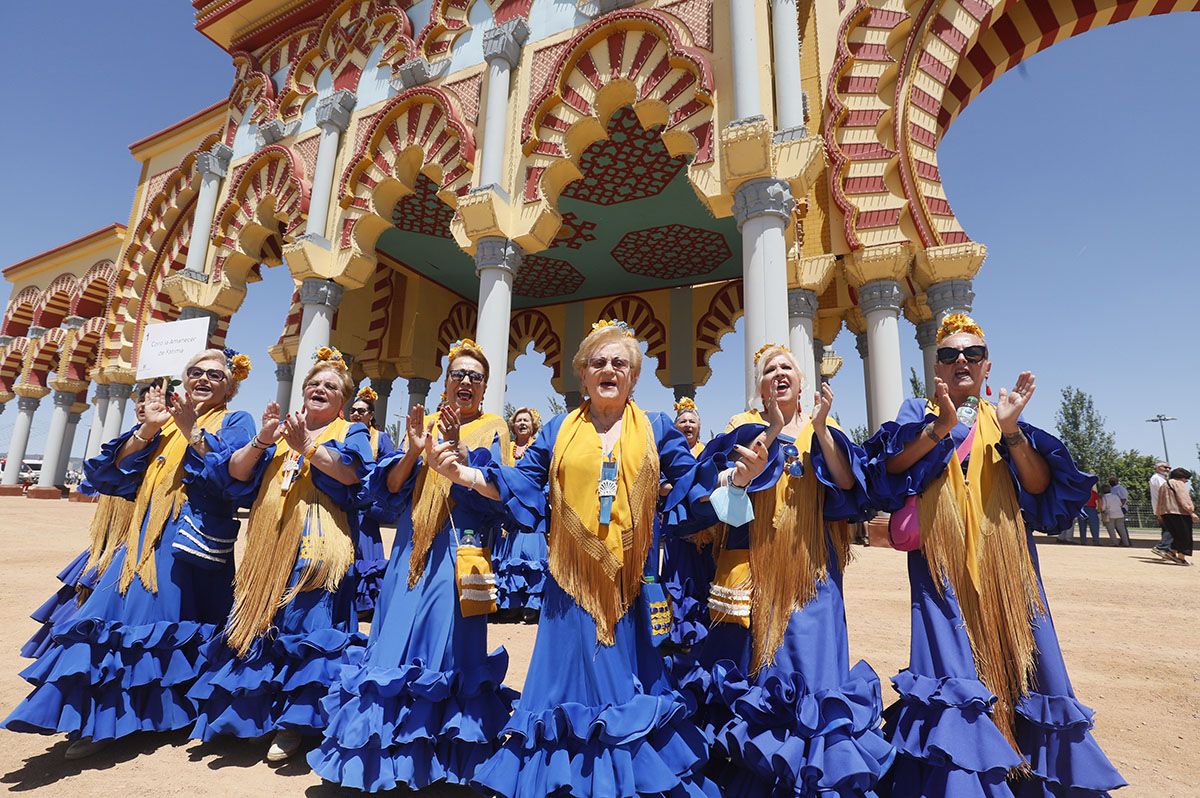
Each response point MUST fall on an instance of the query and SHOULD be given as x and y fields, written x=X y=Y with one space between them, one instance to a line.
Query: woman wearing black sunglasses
x=986 y=694
x=124 y=661
x=370 y=558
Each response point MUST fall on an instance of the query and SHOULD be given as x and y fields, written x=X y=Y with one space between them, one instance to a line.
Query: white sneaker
x=85 y=747
x=284 y=746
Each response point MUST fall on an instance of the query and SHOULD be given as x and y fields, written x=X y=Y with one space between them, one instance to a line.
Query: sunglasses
x=598 y=363
x=466 y=375
x=974 y=354
x=214 y=375
x=359 y=411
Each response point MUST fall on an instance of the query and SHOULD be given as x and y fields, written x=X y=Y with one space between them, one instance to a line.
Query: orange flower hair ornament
x=686 y=405
x=329 y=354
x=239 y=364
x=621 y=325
x=959 y=323
x=458 y=346
x=762 y=349
x=367 y=394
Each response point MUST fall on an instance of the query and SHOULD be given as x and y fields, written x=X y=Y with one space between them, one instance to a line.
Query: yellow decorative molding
x=949 y=262
x=813 y=273
x=31 y=391
x=351 y=268
x=886 y=262
x=800 y=161
x=746 y=151
x=69 y=386
x=221 y=297
x=481 y=213
x=830 y=365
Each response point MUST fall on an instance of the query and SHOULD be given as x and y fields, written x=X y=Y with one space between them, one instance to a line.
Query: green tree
x=555 y=404
x=509 y=409
x=1134 y=469
x=859 y=434
x=916 y=384
x=1082 y=429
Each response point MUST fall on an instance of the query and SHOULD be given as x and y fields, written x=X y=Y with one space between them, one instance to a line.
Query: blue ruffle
x=279 y=684
x=520 y=584
x=63 y=604
x=123 y=479
x=798 y=739
x=104 y=680
x=648 y=746
x=412 y=726
x=368 y=579
x=1054 y=733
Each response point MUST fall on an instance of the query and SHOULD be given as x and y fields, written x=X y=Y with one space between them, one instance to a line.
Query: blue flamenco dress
x=279 y=682
x=807 y=723
x=596 y=720
x=122 y=663
x=941 y=724
x=425 y=702
x=519 y=561
x=370 y=559
x=687 y=571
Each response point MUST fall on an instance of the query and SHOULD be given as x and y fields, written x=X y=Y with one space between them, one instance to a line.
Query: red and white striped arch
x=43 y=358
x=18 y=316
x=638 y=314
x=533 y=326
x=95 y=290
x=459 y=324
x=717 y=321
x=55 y=302
x=385 y=289
x=82 y=350
x=12 y=363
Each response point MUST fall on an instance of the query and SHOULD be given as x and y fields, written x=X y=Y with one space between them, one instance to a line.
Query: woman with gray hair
x=124 y=662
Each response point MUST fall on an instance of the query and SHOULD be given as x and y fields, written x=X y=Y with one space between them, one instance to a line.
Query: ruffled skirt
x=519 y=559
x=687 y=572
x=370 y=564
x=63 y=604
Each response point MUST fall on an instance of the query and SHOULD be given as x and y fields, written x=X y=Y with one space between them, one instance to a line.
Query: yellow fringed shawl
x=431 y=494
x=600 y=566
x=973 y=537
x=159 y=499
x=110 y=527
x=276 y=541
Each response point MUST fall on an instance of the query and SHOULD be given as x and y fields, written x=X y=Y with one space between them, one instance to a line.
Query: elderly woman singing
x=598 y=716
x=124 y=661
x=986 y=707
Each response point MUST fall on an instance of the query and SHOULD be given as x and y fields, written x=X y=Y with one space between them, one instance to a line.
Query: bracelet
x=929 y=432
x=140 y=438
x=257 y=444
x=476 y=474
x=1014 y=439
x=308 y=454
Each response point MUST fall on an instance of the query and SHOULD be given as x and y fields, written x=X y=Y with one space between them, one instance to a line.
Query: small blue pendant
x=795 y=469
x=790 y=451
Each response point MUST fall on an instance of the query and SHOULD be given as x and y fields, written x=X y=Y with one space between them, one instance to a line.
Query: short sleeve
x=113 y=478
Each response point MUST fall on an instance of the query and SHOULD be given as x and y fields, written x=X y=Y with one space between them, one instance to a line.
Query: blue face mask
x=732 y=505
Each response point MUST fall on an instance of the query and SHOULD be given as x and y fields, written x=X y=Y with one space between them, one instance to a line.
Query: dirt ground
x=1127 y=623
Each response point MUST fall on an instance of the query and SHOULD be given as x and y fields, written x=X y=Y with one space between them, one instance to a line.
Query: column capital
x=64 y=398
x=927 y=333
x=949 y=296
x=419 y=71
x=683 y=389
x=802 y=303
x=382 y=387
x=101 y=392
x=192 y=312
x=334 y=111
x=215 y=162
x=504 y=41
x=315 y=291
x=35 y=332
x=765 y=196
x=119 y=390
x=28 y=404
x=274 y=131
x=74 y=416
x=886 y=295
x=285 y=371
x=73 y=322
x=860 y=343
x=69 y=386
x=494 y=252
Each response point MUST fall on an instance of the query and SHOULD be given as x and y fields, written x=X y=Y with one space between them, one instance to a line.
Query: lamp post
x=1160 y=419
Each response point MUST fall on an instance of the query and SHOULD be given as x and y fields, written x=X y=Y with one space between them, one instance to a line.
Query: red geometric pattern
x=575 y=232
x=423 y=212
x=631 y=164
x=671 y=252
x=541 y=278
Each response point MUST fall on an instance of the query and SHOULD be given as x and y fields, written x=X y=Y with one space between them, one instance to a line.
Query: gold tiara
x=620 y=325
x=958 y=323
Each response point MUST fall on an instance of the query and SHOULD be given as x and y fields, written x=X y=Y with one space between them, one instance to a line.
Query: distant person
x=1157 y=480
x=1089 y=518
x=1177 y=513
x=1114 y=518
x=1115 y=486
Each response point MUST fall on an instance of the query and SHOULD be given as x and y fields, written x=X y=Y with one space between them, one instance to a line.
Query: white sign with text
x=168 y=345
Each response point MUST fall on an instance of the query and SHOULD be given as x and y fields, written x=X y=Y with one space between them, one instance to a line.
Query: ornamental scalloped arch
x=386 y=287
x=634 y=58
x=717 y=321
x=459 y=324
x=907 y=75
x=43 y=358
x=420 y=131
x=532 y=326
x=348 y=34
x=82 y=350
x=266 y=208
x=18 y=316
x=638 y=314
x=253 y=82
x=450 y=19
x=96 y=288
x=12 y=364
x=55 y=302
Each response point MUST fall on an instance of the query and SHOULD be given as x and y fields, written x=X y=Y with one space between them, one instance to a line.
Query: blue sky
x=1078 y=171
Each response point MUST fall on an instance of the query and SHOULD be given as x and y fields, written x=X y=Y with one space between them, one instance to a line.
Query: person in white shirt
x=1114 y=485
x=1114 y=518
x=1157 y=480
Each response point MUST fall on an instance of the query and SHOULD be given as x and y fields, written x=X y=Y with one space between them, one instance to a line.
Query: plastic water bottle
x=968 y=411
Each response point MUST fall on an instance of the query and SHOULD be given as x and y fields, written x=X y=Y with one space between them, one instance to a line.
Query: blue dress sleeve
x=718 y=455
x=1055 y=508
x=122 y=478
x=685 y=509
x=472 y=511
x=843 y=504
x=889 y=491
x=236 y=430
x=386 y=446
x=522 y=486
x=376 y=490
x=354 y=451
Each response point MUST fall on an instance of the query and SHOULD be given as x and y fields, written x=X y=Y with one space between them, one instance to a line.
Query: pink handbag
x=904 y=527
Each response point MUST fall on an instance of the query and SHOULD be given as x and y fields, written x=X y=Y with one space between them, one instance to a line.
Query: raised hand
x=774 y=417
x=751 y=462
x=947 y=412
x=445 y=459
x=295 y=431
x=415 y=429
x=449 y=424
x=272 y=426
x=824 y=401
x=155 y=411
x=185 y=412
x=1012 y=403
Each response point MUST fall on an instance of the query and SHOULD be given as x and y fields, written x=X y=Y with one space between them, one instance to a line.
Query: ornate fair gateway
x=513 y=170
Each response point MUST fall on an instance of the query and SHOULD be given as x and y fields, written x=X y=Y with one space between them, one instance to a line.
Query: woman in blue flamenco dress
x=123 y=662
x=787 y=713
x=986 y=707
x=293 y=617
x=519 y=555
x=598 y=716
x=370 y=560
x=426 y=702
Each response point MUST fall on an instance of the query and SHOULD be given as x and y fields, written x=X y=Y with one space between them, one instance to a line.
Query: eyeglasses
x=974 y=354
x=359 y=411
x=332 y=387
x=598 y=363
x=466 y=375
x=214 y=375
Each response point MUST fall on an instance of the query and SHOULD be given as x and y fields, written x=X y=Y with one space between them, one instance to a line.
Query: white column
x=96 y=432
x=927 y=340
x=496 y=263
x=502 y=50
x=763 y=208
x=746 y=67
x=949 y=296
x=212 y=166
x=319 y=300
x=802 y=309
x=56 y=438
x=785 y=53
x=26 y=407
x=333 y=117
x=382 y=387
x=60 y=473
x=284 y=374
x=114 y=416
x=881 y=301
x=864 y=352
x=418 y=394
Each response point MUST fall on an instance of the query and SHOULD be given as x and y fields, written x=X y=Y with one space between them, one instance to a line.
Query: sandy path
x=1126 y=621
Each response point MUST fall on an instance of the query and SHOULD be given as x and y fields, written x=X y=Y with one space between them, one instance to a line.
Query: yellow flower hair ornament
x=239 y=364
x=686 y=405
x=959 y=323
x=458 y=346
x=367 y=394
x=329 y=354
x=620 y=325
x=762 y=349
